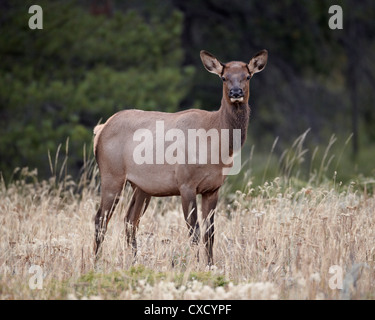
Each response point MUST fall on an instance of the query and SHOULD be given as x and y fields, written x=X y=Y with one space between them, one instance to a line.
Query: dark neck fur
x=235 y=117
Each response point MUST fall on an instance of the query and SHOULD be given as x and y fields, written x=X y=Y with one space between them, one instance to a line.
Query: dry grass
x=273 y=241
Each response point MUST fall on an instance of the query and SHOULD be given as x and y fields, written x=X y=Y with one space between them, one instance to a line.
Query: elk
x=114 y=147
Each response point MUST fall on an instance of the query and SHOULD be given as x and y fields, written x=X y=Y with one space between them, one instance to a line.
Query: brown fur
x=114 y=146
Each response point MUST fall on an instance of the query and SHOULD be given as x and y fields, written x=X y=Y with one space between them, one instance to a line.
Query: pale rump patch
x=97 y=130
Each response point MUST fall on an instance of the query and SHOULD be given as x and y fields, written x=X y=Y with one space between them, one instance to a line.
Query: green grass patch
x=110 y=285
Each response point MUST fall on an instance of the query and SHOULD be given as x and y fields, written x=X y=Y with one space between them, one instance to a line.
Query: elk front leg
x=209 y=201
x=189 y=206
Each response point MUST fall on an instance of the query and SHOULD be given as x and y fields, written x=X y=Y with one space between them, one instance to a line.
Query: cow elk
x=117 y=140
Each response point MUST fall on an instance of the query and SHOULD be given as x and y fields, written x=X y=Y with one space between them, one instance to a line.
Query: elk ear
x=258 y=62
x=211 y=63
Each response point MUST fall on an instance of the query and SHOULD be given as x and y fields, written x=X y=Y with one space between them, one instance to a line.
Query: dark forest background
x=93 y=58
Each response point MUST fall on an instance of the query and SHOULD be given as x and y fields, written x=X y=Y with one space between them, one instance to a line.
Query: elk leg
x=189 y=206
x=209 y=201
x=137 y=208
x=110 y=193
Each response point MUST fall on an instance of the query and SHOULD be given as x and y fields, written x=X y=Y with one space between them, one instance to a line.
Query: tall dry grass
x=272 y=241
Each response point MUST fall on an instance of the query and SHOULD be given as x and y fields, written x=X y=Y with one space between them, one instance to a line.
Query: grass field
x=275 y=240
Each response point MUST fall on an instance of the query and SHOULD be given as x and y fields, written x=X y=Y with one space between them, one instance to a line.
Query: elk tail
x=97 y=130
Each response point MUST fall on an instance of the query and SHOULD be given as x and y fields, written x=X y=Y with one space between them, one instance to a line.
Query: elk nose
x=235 y=93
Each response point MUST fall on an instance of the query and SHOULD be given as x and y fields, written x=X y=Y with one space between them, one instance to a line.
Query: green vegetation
x=112 y=284
x=60 y=81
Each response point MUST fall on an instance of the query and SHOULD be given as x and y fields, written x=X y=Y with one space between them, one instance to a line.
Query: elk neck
x=235 y=116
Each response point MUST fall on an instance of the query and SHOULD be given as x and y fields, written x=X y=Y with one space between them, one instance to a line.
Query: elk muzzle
x=236 y=95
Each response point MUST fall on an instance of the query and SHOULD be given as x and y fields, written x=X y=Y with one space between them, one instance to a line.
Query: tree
x=314 y=75
x=60 y=81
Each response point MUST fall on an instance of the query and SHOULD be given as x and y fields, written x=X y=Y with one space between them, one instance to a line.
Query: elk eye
x=248 y=77
x=223 y=78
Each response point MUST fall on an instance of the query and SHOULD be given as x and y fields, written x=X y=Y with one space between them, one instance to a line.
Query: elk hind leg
x=110 y=197
x=137 y=207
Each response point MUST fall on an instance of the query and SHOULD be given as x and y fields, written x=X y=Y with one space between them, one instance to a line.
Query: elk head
x=236 y=75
